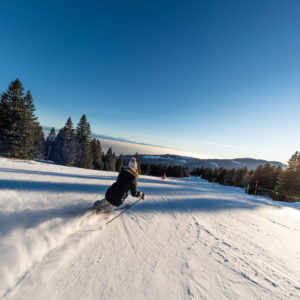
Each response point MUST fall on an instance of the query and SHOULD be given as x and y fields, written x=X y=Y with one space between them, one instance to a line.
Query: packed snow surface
x=186 y=240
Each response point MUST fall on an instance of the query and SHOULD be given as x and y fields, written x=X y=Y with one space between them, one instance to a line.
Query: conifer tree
x=255 y=179
x=83 y=135
x=6 y=123
x=221 y=175
x=120 y=163
x=147 y=169
x=103 y=160
x=12 y=102
x=110 y=160
x=31 y=129
x=39 y=142
x=114 y=161
x=289 y=180
x=138 y=162
x=65 y=147
x=96 y=153
x=49 y=144
x=229 y=177
x=241 y=177
x=20 y=133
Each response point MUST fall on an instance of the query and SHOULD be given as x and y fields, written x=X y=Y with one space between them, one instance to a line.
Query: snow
x=215 y=164
x=154 y=157
x=186 y=240
x=182 y=161
x=236 y=162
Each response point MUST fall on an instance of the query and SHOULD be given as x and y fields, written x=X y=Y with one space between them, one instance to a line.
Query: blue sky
x=220 y=78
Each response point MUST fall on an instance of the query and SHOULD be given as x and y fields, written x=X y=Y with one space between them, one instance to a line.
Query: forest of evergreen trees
x=161 y=169
x=76 y=147
x=281 y=185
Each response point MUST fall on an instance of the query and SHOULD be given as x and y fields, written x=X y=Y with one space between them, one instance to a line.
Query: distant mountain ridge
x=191 y=162
x=158 y=154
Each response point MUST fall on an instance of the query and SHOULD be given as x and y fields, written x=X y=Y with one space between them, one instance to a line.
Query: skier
x=118 y=191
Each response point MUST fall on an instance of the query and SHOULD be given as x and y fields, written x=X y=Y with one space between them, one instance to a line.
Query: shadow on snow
x=52 y=186
x=58 y=174
x=193 y=205
x=26 y=219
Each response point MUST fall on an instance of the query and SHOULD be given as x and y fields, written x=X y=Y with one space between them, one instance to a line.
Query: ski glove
x=141 y=195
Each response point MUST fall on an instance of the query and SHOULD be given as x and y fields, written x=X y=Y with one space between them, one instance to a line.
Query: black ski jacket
x=118 y=191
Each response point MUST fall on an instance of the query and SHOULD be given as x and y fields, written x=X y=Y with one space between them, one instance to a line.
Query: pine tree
x=241 y=177
x=110 y=161
x=96 y=153
x=39 y=142
x=221 y=175
x=20 y=133
x=65 y=148
x=32 y=131
x=229 y=177
x=146 y=169
x=114 y=161
x=289 y=180
x=120 y=163
x=83 y=135
x=275 y=177
x=6 y=123
x=11 y=103
x=138 y=162
x=255 y=179
x=49 y=144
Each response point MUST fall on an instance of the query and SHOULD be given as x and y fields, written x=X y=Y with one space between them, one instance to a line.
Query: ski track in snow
x=185 y=241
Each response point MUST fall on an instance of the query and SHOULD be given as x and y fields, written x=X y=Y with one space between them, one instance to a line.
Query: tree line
x=279 y=184
x=161 y=169
x=76 y=147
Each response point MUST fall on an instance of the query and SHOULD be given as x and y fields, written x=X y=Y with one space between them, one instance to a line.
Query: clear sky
x=221 y=78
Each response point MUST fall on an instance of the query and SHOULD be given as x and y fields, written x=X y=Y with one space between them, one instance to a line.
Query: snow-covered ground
x=184 y=241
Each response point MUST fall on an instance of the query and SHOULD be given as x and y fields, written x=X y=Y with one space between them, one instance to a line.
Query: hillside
x=192 y=162
x=185 y=241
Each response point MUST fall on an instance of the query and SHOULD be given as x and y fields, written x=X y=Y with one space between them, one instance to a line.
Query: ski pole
x=123 y=211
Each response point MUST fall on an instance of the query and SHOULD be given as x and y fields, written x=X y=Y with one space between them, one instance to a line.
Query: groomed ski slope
x=185 y=241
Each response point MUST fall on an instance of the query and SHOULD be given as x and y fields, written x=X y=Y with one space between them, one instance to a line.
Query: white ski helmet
x=132 y=163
